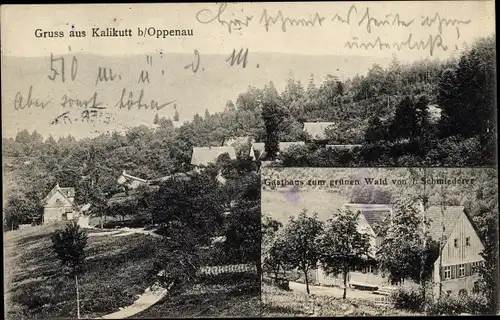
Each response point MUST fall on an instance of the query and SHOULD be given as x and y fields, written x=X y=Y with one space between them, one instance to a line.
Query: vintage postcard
x=137 y=138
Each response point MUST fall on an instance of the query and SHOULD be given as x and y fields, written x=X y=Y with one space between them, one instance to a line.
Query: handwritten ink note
x=368 y=29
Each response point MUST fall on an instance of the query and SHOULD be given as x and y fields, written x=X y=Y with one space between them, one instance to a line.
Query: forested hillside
x=389 y=111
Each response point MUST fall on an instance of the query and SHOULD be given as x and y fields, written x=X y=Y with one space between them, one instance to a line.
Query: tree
x=342 y=246
x=156 y=119
x=196 y=203
x=301 y=250
x=272 y=245
x=375 y=131
x=403 y=124
x=176 y=115
x=273 y=115
x=178 y=259
x=274 y=259
x=422 y=117
x=405 y=243
x=99 y=204
x=243 y=233
x=467 y=93
x=69 y=245
x=483 y=204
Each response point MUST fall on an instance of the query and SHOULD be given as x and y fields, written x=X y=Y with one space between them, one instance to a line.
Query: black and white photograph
x=379 y=241
x=137 y=138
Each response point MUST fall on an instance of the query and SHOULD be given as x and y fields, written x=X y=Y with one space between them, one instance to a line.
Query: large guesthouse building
x=454 y=270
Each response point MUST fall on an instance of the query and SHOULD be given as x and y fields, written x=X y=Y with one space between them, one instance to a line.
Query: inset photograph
x=378 y=241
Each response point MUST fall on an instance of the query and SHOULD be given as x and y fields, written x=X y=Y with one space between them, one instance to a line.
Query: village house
x=130 y=182
x=317 y=130
x=58 y=204
x=203 y=156
x=241 y=145
x=257 y=150
x=343 y=146
x=454 y=270
x=231 y=142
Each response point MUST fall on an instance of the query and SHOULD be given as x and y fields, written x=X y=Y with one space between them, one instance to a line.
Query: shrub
x=477 y=304
x=454 y=305
x=408 y=299
x=448 y=305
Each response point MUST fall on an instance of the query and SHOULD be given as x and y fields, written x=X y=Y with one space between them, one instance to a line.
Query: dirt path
x=333 y=291
x=145 y=301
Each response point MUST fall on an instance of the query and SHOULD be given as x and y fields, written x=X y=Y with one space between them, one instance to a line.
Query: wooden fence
x=383 y=301
x=235 y=268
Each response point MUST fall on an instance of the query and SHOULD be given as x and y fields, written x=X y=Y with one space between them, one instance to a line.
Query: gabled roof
x=66 y=192
x=343 y=146
x=177 y=175
x=260 y=146
x=206 y=155
x=283 y=146
x=124 y=177
x=237 y=140
x=450 y=215
x=317 y=129
x=373 y=213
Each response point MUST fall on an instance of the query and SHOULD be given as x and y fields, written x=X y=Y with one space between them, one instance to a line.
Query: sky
x=340 y=23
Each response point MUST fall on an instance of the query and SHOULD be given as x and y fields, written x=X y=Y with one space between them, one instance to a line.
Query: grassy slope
x=280 y=303
x=117 y=270
x=221 y=297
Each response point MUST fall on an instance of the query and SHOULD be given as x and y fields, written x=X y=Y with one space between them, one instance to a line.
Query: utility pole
x=424 y=199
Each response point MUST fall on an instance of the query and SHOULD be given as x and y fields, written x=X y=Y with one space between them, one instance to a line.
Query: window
x=447 y=273
x=461 y=270
x=467 y=241
x=455 y=243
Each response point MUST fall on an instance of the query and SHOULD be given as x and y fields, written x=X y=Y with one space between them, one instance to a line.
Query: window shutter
x=453 y=272
x=467 y=269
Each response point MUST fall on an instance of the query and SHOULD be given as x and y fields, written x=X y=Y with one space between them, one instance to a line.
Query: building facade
x=130 y=182
x=455 y=270
x=58 y=205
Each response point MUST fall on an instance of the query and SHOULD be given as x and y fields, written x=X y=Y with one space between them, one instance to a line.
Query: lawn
x=237 y=297
x=117 y=269
x=279 y=207
x=282 y=303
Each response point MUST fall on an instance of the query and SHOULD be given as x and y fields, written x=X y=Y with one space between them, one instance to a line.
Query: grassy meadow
x=281 y=303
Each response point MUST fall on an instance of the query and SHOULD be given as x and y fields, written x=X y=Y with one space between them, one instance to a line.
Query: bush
x=448 y=305
x=477 y=304
x=408 y=299
x=454 y=305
